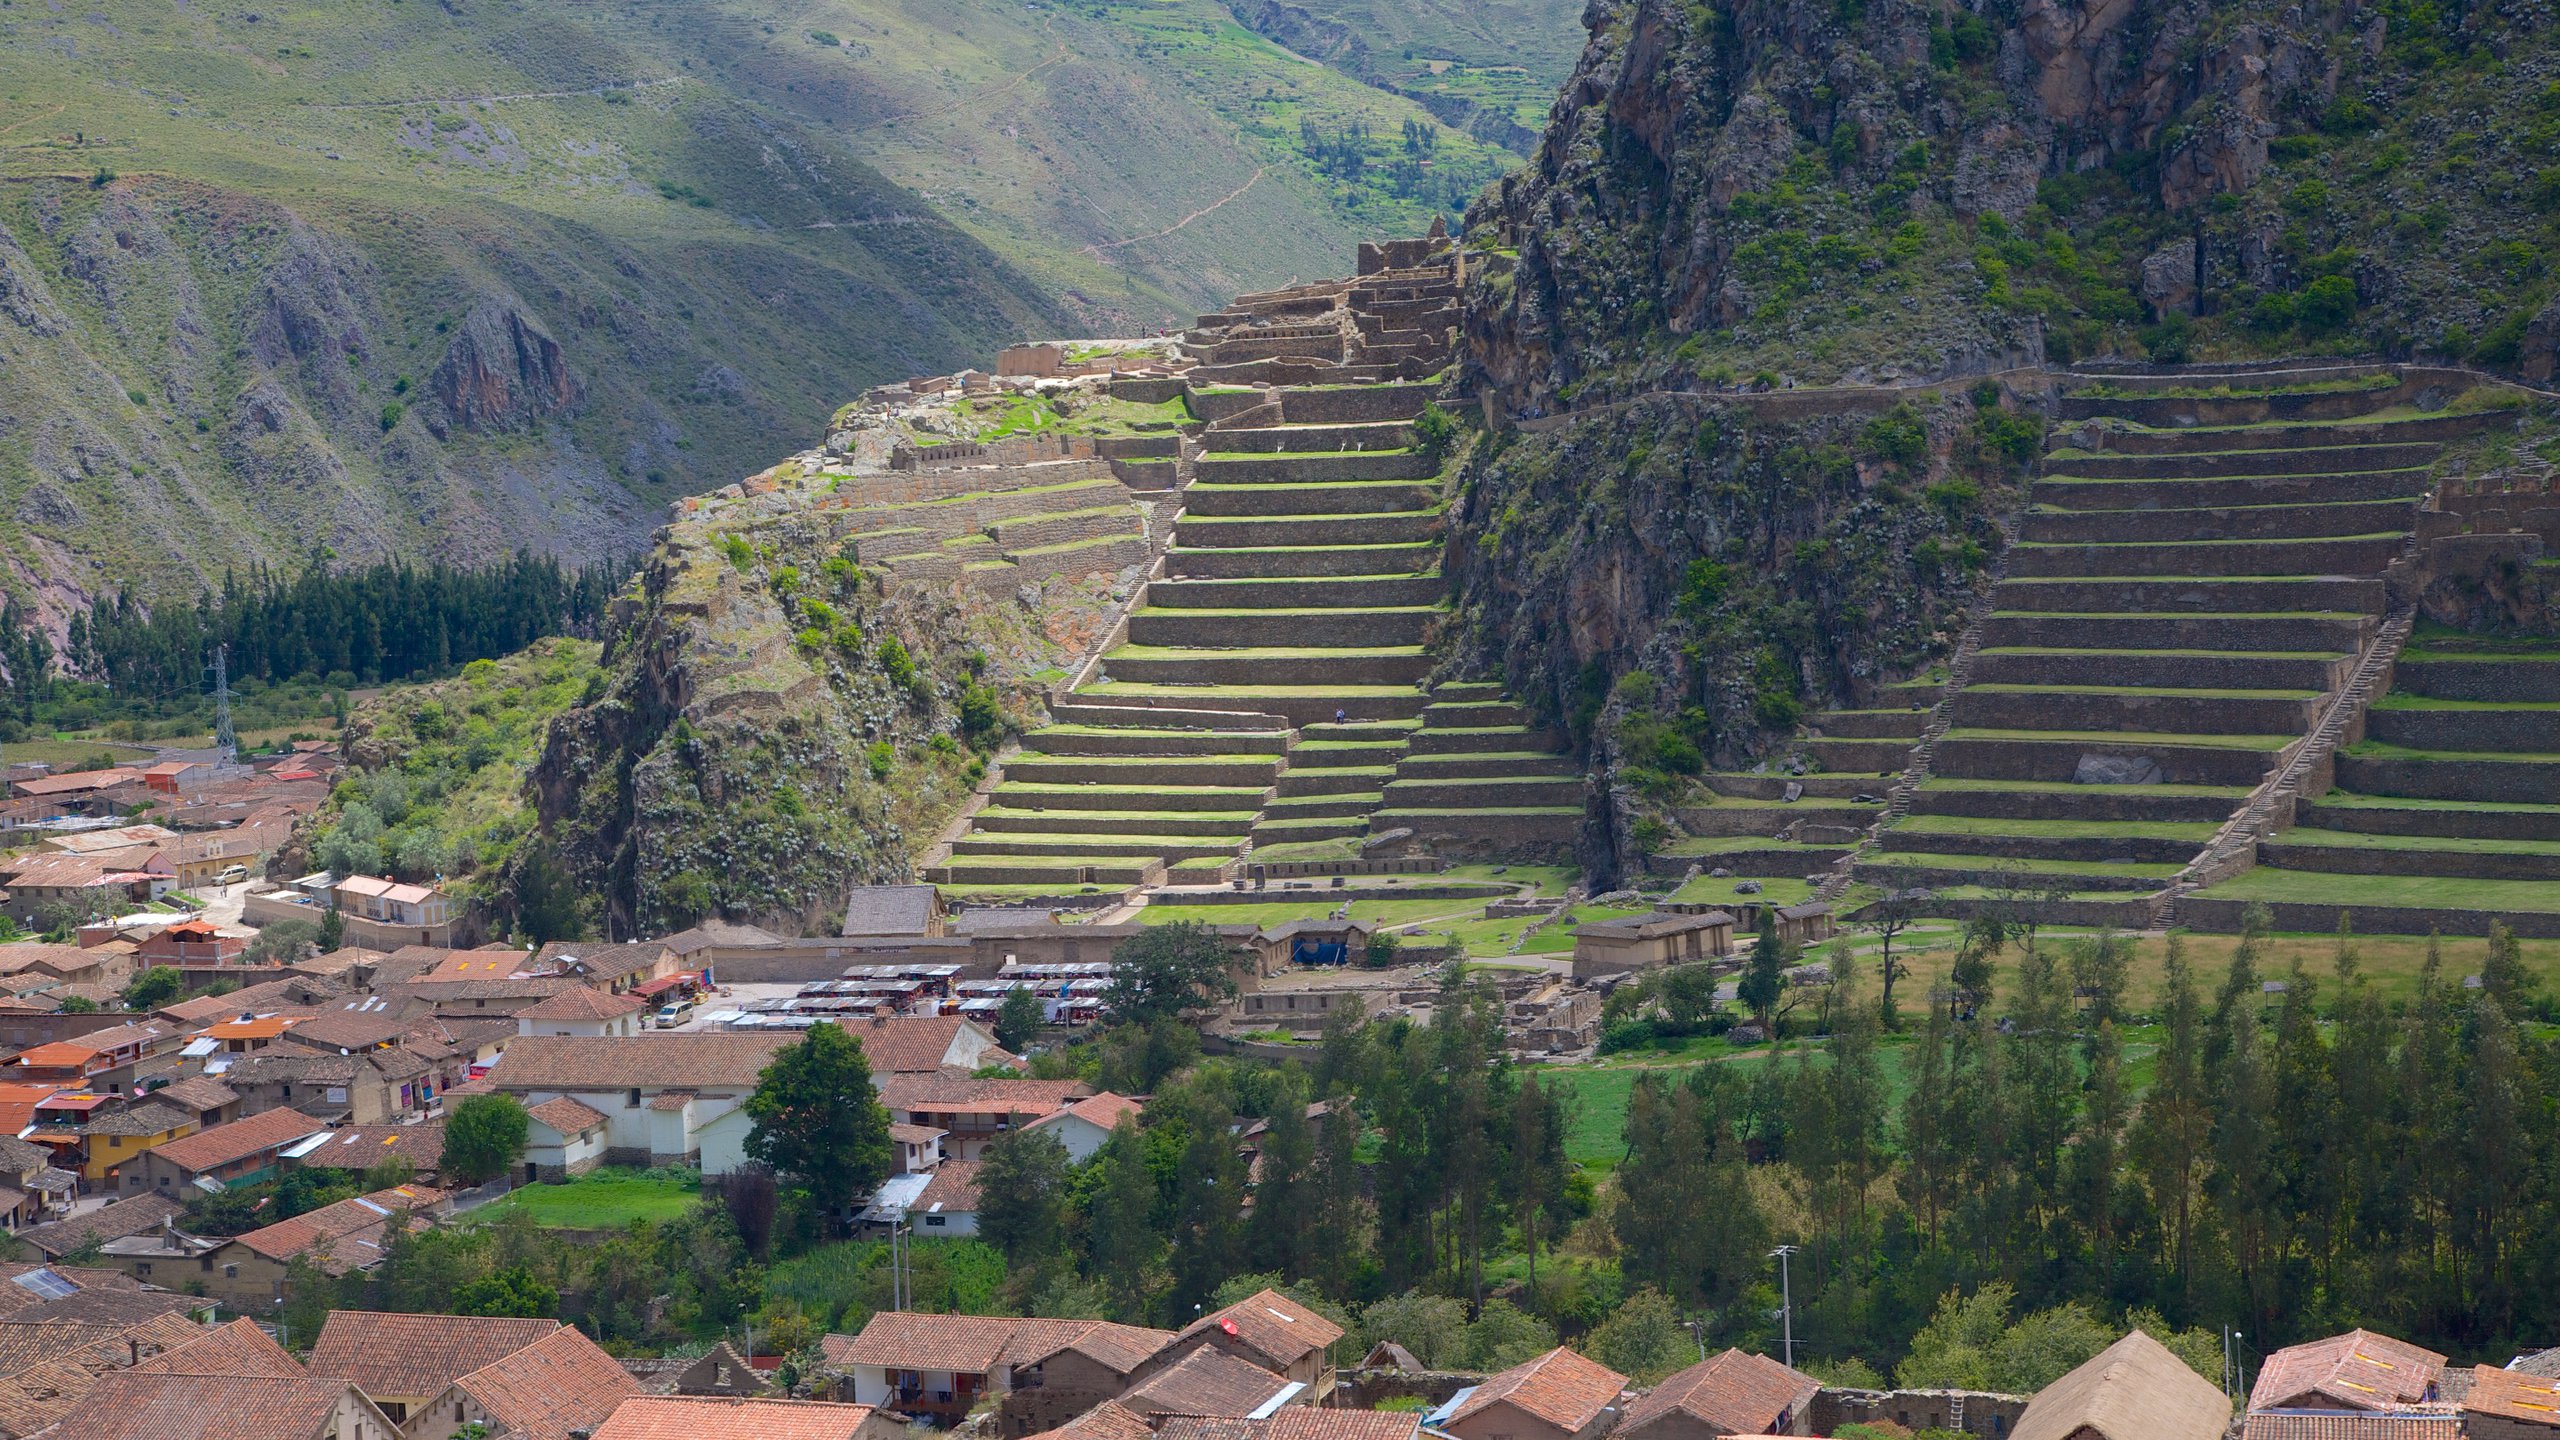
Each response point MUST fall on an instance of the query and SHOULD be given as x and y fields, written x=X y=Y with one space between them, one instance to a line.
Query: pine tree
x=2171 y=1138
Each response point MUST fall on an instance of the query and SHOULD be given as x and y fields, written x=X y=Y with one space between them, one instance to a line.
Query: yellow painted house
x=120 y=1137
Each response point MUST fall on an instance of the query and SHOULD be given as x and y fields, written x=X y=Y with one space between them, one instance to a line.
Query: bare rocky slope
x=1688 y=546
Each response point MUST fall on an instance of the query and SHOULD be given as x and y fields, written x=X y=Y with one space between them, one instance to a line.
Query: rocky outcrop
x=503 y=371
x=1708 y=169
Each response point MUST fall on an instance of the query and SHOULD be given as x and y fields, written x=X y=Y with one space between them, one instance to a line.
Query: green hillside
x=407 y=279
x=1490 y=67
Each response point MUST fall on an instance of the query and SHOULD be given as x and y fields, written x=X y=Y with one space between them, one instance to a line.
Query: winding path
x=1095 y=250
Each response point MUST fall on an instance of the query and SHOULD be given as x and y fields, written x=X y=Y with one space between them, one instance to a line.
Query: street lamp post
x=1786 y=1303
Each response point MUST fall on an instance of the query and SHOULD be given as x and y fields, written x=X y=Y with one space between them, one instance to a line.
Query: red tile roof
x=560 y=1383
x=1559 y=1387
x=961 y=1344
x=1104 y=1111
x=567 y=1116
x=964 y=1095
x=688 y=1417
x=1737 y=1393
x=239 y=1348
x=909 y=1045
x=953 y=1190
x=1297 y=1422
x=1208 y=1381
x=617 y=1062
x=2356 y=1371
x=212 y=1149
x=583 y=1002
x=2513 y=1395
x=129 y=1406
x=416 y=1355
x=341 y=1237
x=1119 y=1348
x=2350 y=1425
x=1106 y=1421
x=1273 y=1324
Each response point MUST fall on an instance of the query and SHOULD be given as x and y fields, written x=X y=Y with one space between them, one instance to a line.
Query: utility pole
x=1786 y=1303
x=224 y=738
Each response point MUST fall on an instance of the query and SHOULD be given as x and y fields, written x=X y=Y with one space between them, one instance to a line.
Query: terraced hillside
x=1270 y=698
x=2445 y=810
x=2199 y=571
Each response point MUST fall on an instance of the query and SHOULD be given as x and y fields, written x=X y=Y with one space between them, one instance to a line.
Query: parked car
x=232 y=875
x=672 y=1014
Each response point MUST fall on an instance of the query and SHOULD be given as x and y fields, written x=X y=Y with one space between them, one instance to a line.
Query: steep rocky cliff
x=1873 y=189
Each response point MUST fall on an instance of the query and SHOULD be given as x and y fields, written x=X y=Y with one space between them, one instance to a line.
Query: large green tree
x=1022 y=1195
x=818 y=1121
x=1167 y=969
x=483 y=1138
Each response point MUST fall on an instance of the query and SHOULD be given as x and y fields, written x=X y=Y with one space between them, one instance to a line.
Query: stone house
x=2355 y=1371
x=1213 y=1384
x=1650 y=942
x=134 y=1215
x=1310 y=1009
x=1082 y=1372
x=378 y=1087
x=2511 y=1405
x=1270 y=1330
x=251 y=1273
x=243 y=1152
x=1557 y=1396
x=1735 y=1393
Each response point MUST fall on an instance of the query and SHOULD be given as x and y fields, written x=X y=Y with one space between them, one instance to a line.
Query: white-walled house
x=656 y=1093
x=563 y=1138
x=1084 y=1125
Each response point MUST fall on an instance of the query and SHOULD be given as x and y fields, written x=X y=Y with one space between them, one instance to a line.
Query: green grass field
x=599 y=1200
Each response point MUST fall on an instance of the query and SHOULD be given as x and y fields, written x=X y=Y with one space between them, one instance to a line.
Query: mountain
x=1877 y=189
x=454 y=278
x=1489 y=67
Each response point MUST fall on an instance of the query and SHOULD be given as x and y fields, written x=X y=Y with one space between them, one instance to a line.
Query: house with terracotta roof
x=1270 y=1330
x=560 y=1386
x=582 y=1010
x=403 y=914
x=2511 y=1405
x=938 y=1367
x=723 y=1417
x=948 y=1207
x=117 y=1060
x=618 y=968
x=973 y=1113
x=1083 y=1125
x=2355 y=1371
x=1088 y=1369
x=1212 y=1383
x=925 y=1044
x=1557 y=1396
x=137 y=1405
x=358 y=1148
x=2352 y=1425
x=1106 y=1421
x=89 y=884
x=401 y=1361
x=195 y=941
x=251 y=1273
x=564 y=1138
x=2134 y=1389
x=658 y=1092
x=133 y=1215
x=1735 y=1393
x=243 y=1152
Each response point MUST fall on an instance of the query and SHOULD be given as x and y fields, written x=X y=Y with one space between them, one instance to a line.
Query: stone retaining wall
x=2206 y=494
x=2219 y=522
x=2486 y=780
x=2222 y=917
x=1278 y=532
x=2318 y=556
x=2325 y=461
x=1281 y=628
x=1355 y=405
x=2462 y=824
x=2450 y=864
x=2175 y=632
x=1315 y=469
x=2134 y=711
x=2179 y=764
x=2509 y=681
x=2526 y=731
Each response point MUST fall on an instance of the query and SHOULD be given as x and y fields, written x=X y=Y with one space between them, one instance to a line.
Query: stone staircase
x=1269 y=701
x=2440 y=812
x=2200 y=568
